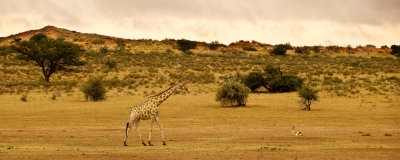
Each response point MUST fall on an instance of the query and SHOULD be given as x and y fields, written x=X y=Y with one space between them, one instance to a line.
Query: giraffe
x=149 y=110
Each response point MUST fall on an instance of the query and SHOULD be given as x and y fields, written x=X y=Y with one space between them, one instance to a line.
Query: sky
x=299 y=22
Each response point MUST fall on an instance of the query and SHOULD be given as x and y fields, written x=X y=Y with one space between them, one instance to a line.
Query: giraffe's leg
x=127 y=129
x=137 y=124
x=150 y=130
x=162 y=130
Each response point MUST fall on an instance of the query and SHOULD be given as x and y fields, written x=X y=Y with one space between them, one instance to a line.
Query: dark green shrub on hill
x=302 y=50
x=281 y=49
x=249 y=48
x=4 y=50
x=214 y=45
x=110 y=63
x=395 y=50
x=103 y=49
x=98 y=41
x=186 y=45
x=316 y=49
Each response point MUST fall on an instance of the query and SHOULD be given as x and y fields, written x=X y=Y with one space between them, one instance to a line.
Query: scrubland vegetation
x=338 y=75
x=356 y=115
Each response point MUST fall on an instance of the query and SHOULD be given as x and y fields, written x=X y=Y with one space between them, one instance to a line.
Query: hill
x=102 y=43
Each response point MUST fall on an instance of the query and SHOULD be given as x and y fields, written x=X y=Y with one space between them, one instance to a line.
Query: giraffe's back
x=144 y=111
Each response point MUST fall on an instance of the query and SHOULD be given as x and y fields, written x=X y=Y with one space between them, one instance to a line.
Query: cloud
x=303 y=22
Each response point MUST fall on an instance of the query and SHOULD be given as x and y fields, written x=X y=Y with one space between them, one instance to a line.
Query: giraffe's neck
x=164 y=95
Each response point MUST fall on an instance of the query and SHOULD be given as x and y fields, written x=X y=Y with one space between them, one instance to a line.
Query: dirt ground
x=197 y=127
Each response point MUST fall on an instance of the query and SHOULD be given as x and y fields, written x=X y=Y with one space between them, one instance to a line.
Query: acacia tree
x=307 y=96
x=50 y=54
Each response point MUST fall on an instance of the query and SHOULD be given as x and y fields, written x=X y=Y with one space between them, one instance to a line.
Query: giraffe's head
x=180 y=86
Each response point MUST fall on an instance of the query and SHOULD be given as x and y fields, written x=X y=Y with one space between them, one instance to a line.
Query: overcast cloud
x=300 y=22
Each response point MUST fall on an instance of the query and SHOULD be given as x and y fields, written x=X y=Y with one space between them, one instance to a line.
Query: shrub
x=370 y=45
x=285 y=84
x=17 y=40
x=120 y=44
x=188 y=52
x=334 y=49
x=249 y=48
x=185 y=45
x=24 y=98
x=395 y=50
x=214 y=45
x=103 y=49
x=281 y=49
x=98 y=41
x=254 y=80
x=232 y=93
x=307 y=96
x=302 y=50
x=94 y=89
x=4 y=50
x=316 y=49
x=110 y=63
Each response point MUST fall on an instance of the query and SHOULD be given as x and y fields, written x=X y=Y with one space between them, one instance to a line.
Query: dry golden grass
x=198 y=128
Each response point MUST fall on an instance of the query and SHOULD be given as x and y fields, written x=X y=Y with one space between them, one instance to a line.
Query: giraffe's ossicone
x=149 y=110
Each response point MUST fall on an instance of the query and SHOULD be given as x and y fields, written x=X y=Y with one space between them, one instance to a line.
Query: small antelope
x=296 y=133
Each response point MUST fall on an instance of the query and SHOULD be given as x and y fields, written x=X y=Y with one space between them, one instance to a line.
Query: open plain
x=197 y=127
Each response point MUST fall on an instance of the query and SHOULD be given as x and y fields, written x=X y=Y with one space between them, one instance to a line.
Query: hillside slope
x=102 y=43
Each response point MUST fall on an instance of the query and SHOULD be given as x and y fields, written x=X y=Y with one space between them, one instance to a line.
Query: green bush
x=110 y=63
x=316 y=49
x=281 y=49
x=232 y=93
x=4 y=50
x=186 y=45
x=395 y=50
x=94 y=89
x=254 y=80
x=103 y=49
x=214 y=45
x=302 y=50
x=249 y=48
x=307 y=96
x=98 y=41
x=285 y=84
